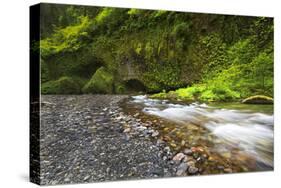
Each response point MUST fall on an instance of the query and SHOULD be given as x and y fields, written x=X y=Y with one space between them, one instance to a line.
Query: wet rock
x=155 y=133
x=212 y=159
x=182 y=143
x=167 y=149
x=173 y=145
x=136 y=115
x=193 y=170
x=127 y=130
x=258 y=99
x=187 y=151
x=171 y=162
x=160 y=142
x=188 y=158
x=179 y=157
x=197 y=149
x=47 y=104
x=166 y=138
x=88 y=117
x=195 y=155
x=226 y=154
x=181 y=170
x=86 y=177
x=220 y=167
x=227 y=170
x=191 y=163
x=167 y=173
x=107 y=170
x=200 y=159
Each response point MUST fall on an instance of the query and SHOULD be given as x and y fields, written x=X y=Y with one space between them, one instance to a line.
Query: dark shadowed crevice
x=134 y=85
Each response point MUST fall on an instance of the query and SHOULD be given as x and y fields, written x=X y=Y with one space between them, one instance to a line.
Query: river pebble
x=193 y=169
x=181 y=170
x=155 y=133
x=187 y=151
x=179 y=157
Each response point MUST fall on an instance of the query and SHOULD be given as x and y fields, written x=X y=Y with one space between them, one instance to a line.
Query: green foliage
x=181 y=30
x=221 y=93
x=162 y=76
x=44 y=71
x=133 y=11
x=262 y=72
x=81 y=64
x=103 y=47
x=262 y=32
x=161 y=95
x=201 y=92
x=219 y=57
x=101 y=82
x=104 y=13
x=68 y=39
x=241 y=52
x=64 y=85
x=191 y=93
x=212 y=56
x=159 y=13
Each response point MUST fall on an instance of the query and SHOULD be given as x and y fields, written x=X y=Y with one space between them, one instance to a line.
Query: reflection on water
x=234 y=133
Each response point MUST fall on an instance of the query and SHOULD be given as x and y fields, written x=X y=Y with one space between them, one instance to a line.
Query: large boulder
x=101 y=82
x=64 y=85
x=258 y=99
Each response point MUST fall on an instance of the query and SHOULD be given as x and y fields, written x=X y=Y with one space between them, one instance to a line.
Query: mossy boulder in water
x=258 y=99
x=64 y=85
x=101 y=82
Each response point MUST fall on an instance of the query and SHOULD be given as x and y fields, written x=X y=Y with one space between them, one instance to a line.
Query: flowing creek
x=230 y=137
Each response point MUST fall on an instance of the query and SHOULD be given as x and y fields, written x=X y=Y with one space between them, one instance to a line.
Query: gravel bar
x=87 y=138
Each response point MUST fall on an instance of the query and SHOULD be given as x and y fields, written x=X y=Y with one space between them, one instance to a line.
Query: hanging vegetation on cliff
x=181 y=55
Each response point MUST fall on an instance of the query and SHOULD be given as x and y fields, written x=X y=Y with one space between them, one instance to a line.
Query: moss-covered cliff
x=129 y=50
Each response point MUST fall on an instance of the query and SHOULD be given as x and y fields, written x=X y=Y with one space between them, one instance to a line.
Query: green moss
x=119 y=88
x=200 y=92
x=64 y=85
x=101 y=82
x=162 y=95
x=190 y=93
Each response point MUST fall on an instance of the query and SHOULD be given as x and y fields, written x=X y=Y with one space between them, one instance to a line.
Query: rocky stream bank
x=87 y=138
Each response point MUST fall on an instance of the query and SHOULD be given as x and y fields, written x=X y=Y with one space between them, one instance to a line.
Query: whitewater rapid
x=250 y=131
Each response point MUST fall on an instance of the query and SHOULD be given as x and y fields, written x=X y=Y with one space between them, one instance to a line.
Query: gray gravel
x=86 y=138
